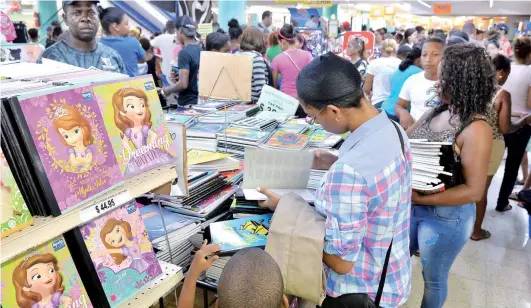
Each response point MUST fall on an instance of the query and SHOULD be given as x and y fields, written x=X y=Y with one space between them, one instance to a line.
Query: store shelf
x=47 y=228
x=158 y=288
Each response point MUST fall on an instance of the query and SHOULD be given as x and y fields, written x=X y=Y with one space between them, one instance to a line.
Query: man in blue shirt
x=80 y=48
x=115 y=25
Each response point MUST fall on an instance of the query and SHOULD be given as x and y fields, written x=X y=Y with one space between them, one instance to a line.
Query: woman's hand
x=323 y=160
x=272 y=199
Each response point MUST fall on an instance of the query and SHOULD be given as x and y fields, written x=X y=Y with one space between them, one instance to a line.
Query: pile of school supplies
x=203 y=136
x=213 y=274
x=429 y=175
x=241 y=207
x=257 y=123
x=323 y=139
x=234 y=140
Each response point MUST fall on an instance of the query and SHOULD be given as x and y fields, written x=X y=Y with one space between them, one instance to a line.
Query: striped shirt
x=366 y=198
x=260 y=74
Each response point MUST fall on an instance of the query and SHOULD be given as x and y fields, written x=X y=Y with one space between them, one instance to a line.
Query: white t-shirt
x=421 y=93
x=165 y=42
x=382 y=69
x=518 y=85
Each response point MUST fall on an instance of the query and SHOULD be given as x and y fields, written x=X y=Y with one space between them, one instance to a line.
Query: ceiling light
x=491 y=3
x=427 y=5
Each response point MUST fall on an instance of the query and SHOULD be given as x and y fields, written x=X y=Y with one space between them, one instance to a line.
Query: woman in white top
x=418 y=93
x=356 y=50
x=519 y=86
x=378 y=81
x=410 y=37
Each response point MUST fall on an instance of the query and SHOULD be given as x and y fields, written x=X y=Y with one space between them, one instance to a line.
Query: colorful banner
x=307 y=18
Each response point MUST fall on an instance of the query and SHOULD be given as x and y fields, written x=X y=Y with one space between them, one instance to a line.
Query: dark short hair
x=469 y=28
x=33 y=33
x=216 y=41
x=235 y=30
x=144 y=42
x=460 y=34
x=57 y=31
x=330 y=80
x=436 y=39
x=253 y=40
x=266 y=14
x=287 y=32
x=419 y=29
x=109 y=16
x=251 y=279
x=501 y=62
x=170 y=26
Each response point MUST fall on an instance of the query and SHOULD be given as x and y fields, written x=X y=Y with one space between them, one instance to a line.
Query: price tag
x=272 y=100
x=104 y=206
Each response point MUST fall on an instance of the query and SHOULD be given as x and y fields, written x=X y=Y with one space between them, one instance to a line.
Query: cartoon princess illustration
x=75 y=133
x=120 y=240
x=38 y=283
x=133 y=117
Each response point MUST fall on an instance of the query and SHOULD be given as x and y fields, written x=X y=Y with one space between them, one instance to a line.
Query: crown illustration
x=60 y=112
x=29 y=255
x=126 y=86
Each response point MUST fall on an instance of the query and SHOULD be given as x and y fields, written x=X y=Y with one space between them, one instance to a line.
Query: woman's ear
x=285 y=302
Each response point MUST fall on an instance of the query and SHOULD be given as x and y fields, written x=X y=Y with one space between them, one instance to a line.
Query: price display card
x=105 y=205
x=273 y=100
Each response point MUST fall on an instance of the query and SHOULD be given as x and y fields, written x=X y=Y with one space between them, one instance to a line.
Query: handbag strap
x=388 y=255
x=286 y=53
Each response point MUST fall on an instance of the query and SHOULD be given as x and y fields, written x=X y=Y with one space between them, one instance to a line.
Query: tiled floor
x=494 y=273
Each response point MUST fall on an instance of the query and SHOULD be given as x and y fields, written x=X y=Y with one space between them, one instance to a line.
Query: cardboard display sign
x=225 y=76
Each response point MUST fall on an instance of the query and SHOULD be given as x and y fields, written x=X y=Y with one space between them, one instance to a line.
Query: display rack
x=44 y=229
x=153 y=291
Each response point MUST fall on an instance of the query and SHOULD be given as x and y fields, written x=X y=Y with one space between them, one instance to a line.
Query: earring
x=337 y=119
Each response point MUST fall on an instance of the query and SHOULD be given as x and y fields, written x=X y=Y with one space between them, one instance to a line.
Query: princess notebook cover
x=66 y=137
x=233 y=235
x=121 y=253
x=14 y=214
x=44 y=277
x=135 y=124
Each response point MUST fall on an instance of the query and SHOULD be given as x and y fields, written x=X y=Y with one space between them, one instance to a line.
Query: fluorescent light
x=491 y=3
x=427 y=5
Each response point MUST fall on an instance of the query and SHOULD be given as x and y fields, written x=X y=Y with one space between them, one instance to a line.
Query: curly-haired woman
x=442 y=223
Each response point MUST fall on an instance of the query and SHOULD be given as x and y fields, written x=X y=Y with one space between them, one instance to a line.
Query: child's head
x=33 y=35
x=130 y=106
x=251 y=279
x=36 y=276
x=114 y=234
x=72 y=126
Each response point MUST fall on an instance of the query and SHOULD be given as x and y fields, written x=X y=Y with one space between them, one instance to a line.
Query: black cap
x=66 y=2
x=502 y=26
x=186 y=24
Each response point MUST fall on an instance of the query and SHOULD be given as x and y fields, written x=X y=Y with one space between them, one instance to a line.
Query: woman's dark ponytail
x=410 y=58
x=109 y=16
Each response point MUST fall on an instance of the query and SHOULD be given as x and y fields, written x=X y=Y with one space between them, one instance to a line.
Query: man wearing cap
x=188 y=63
x=80 y=47
x=503 y=29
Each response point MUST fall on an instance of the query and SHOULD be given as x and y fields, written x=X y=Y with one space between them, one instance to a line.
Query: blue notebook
x=153 y=221
x=233 y=235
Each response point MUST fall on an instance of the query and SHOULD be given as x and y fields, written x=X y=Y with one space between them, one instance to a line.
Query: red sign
x=366 y=36
x=442 y=8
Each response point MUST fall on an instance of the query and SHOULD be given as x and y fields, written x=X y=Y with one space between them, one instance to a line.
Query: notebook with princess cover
x=43 y=277
x=14 y=213
x=115 y=254
x=64 y=134
x=135 y=124
x=237 y=234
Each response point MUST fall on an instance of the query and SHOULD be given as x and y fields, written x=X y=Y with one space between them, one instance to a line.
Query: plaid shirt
x=366 y=198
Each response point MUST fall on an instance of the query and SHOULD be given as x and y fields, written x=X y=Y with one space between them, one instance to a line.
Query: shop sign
x=442 y=8
x=366 y=36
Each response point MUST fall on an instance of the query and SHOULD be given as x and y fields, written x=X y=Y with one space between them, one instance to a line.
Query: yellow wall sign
x=204 y=30
x=308 y=3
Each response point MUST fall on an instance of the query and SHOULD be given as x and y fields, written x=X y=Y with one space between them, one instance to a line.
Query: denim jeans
x=439 y=232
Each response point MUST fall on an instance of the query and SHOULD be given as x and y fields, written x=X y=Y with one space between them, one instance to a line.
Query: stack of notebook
x=213 y=105
x=200 y=160
x=234 y=140
x=320 y=138
x=257 y=123
x=249 y=110
x=295 y=126
x=213 y=274
x=286 y=141
x=179 y=230
x=187 y=120
x=429 y=173
x=203 y=136
x=222 y=116
x=315 y=178
x=209 y=194
x=242 y=207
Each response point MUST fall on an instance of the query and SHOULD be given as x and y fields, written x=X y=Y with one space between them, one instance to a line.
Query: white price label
x=101 y=207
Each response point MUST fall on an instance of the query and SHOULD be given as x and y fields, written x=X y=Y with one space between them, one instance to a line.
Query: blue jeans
x=439 y=232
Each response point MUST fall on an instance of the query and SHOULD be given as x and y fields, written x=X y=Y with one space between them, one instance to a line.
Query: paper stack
x=222 y=116
x=295 y=126
x=213 y=105
x=428 y=171
x=235 y=140
x=323 y=139
x=200 y=160
x=187 y=120
x=203 y=136
x=213 y=274
x=256 y=123
x=315 y=178
x=242 y=207
x=287 y=141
